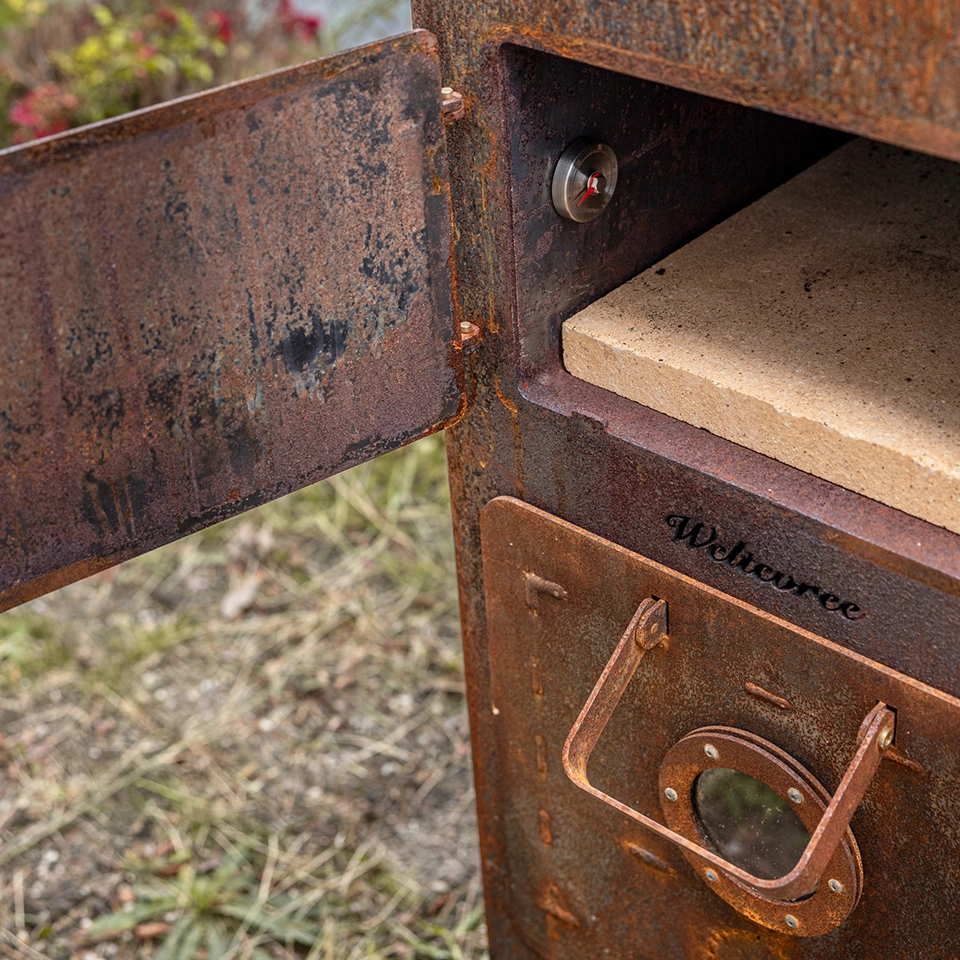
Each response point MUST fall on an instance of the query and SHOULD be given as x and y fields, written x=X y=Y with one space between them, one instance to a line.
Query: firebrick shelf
x=819 y=326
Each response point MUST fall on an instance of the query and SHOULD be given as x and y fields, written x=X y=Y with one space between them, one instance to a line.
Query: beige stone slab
x=819 y=326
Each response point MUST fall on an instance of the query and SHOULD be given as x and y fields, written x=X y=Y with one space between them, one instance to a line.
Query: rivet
x=446 y=91
x=670 y=794
x=794 y=795
x=835 y=885
x=791 y=921
x=465 y=326
x=885 y=739
x=711 y=751
x=711 y=875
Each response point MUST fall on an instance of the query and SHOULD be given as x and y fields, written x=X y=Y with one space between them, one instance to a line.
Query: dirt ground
x=252 y=743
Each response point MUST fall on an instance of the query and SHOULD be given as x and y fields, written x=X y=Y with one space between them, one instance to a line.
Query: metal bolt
x=791 y=921
x=452 y=103
x=835 y=885
x=711 y=751
x=469 y=336
x=885 y=739
x=711 y=875
x=794 y=795
x=670 y=794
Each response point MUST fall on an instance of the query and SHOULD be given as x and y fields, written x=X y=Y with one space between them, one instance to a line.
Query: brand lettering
x=698 y=535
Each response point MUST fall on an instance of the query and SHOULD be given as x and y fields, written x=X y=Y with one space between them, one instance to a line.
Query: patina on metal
x=890 y=74
x=824 y=908
x=534 y=80
x=612 y=876
x=213 y=303
x=646 y=630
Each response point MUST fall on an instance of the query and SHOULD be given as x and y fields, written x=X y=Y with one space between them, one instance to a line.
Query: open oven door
x=212 y=303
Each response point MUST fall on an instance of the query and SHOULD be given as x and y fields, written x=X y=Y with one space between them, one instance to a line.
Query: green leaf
x=128 y=919
x=192 y=941
x=217 y=942
x=471 y=922
x=170 y=949
x=155 y=890
x=102 y=15
x=282 y=929
x=423 y=949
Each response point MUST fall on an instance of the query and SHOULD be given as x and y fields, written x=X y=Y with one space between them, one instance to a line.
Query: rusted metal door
x=215 y=302
x=601 y=812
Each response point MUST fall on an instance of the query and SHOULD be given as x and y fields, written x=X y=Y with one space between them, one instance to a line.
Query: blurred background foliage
x=64 y=63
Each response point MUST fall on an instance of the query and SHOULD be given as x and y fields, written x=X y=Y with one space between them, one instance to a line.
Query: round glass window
x=747 y=823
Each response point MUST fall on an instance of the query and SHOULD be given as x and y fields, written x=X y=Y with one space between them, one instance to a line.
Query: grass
x=251 y=743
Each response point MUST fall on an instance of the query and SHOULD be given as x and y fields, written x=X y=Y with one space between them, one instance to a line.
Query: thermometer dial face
x=584 y=180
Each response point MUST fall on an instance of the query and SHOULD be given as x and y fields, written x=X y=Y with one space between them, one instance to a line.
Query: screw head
x=791 y=921
x=670 y=794
x=711 y=875
x=711 y=751
x=835 y=885
x=885 y=739
x=465 y=326
x=446 y=91
x=794 y=795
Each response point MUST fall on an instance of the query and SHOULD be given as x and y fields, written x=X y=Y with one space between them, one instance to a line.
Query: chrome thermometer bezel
x=570 y=187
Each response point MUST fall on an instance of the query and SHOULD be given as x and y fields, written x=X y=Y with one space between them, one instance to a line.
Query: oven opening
x=817 y=325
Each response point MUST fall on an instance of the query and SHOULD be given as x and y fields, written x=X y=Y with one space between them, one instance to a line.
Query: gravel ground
x=251 y=743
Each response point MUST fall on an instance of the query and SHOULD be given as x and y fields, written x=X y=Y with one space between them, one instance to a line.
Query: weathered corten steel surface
x=213 y=303
x=889 y=71
x=827 y=827
x=860 y=574
x=588 y=881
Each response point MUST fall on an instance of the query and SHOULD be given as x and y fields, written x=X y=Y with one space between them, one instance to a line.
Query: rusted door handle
x=647 y=628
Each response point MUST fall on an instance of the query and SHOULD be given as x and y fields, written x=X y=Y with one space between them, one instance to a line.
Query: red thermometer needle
x=591 y=187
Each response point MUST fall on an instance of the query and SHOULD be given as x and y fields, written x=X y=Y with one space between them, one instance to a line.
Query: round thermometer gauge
x=584 y=180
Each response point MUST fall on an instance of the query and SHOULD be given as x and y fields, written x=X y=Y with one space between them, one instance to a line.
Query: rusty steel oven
x=713 y=693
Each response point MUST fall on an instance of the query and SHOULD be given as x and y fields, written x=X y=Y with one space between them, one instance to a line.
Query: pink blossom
x=41 y=112
x=220 y=23
x=297 y=24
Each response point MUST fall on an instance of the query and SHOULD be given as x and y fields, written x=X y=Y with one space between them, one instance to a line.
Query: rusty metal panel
x=213 y=303
x=587 y=881
x=610 y=465
x=891 y=72
x=605 y=463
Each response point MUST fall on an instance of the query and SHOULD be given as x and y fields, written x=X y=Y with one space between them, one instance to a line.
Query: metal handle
x=647 y=628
